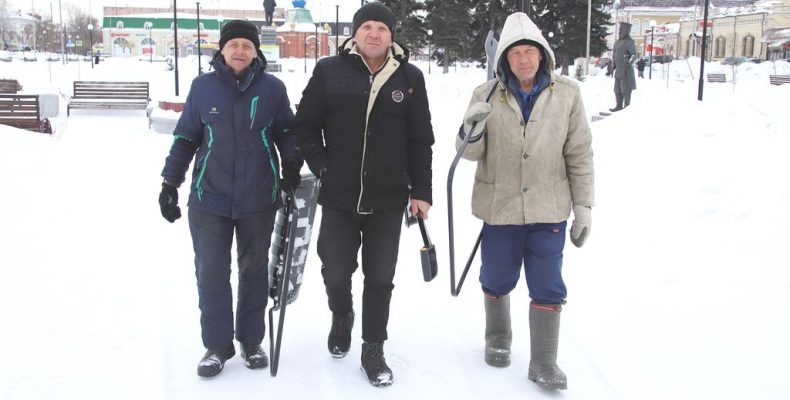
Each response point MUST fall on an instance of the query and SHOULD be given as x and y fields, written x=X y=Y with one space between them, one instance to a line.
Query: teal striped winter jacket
x=234 y=127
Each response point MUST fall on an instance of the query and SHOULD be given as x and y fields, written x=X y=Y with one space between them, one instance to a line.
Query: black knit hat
x=374 y=11
x=238 y=29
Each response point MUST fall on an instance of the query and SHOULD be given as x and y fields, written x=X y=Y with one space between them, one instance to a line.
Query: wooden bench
x=717 y=78
x=779 y=79
x=109 y=95
x=9 y=86
x=23 y=111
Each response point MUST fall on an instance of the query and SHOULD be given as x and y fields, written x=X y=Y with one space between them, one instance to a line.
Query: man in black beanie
x=371 y=166
x=232 y=192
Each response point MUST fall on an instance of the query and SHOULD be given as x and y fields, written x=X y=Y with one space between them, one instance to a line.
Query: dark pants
x=212 y=237
x=342 y=233
x=538 y=246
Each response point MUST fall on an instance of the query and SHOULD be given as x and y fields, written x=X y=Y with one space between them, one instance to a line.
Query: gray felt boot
x=544 y=329
x=498 y=333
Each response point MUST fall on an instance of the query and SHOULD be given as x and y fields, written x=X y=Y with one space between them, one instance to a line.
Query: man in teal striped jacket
x=236 y=120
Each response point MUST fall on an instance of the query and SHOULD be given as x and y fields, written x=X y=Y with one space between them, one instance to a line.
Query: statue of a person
x=623 y=57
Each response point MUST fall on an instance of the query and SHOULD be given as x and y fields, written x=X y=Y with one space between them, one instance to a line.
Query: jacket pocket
x=562 y=196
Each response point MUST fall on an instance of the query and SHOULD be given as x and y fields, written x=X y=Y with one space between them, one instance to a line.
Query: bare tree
x=77 y=24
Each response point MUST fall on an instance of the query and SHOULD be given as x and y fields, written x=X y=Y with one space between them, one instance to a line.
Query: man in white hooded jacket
x=533 y=148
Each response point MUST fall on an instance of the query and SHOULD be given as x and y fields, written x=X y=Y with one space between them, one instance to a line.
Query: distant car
x=755 y=60
x=72 y=57
x=5 y=56
x=734 y=60
x=53 y=57
x=29 y=57
x=658 y=59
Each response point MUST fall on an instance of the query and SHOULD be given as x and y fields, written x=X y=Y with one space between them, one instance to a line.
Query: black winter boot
x=214 y=360
x=374 y=365
x=626 y=99
x=619 y=100
x=254 y=356
x=544 y=330
x=498 y=333
x=339 y=340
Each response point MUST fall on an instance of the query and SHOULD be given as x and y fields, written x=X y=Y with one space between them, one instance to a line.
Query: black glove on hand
x=291 y=176
x=168 y=203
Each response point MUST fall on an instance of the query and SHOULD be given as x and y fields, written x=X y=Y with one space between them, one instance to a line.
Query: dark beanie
x=238 y=29
x=374 y=11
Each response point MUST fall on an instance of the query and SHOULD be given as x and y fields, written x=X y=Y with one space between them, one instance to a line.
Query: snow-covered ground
x=681 y=292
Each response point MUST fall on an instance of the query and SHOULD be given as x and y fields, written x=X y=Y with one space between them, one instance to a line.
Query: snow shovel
x=289 y=233
x=455 y=289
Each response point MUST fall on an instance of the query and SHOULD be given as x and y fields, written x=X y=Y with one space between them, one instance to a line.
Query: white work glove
x=477 y=112
x=582 y=222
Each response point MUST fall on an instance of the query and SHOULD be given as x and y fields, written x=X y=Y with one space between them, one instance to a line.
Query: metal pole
x=702 y=58
x=589 y=22
x=652 y=34
x=63 y=39
x=150 y=46
x=337 y=28
x=304 y=43
x=315 y=51
x=175 y=43
x=200 y=49
x=90 y=34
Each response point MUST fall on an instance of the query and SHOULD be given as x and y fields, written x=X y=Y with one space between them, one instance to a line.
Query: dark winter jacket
x=232 y=126
x=268 y=5
x=367 y=136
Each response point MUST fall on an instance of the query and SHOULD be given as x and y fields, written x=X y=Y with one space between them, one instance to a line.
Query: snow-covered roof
x=776 y=37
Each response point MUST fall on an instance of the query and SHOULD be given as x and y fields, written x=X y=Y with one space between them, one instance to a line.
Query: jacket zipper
x=364 y=148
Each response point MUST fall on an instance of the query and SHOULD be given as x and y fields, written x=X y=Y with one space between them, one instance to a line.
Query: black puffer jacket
x=369 y=156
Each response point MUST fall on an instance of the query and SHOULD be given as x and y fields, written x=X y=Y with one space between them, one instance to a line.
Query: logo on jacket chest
x=213 y=110
x=397 y=96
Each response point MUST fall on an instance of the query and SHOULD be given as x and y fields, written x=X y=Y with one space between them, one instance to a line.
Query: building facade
x=735 y=28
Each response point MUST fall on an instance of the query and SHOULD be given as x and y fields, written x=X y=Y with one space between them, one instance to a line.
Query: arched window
x=748 y=46
x=346 y=31
x=119 y=25
x=721 y=46
x=202 y=28
x=148 y=42
x=636 y=28
x=645 y=25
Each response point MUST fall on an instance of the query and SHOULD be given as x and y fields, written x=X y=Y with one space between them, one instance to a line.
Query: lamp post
x=200 y=49
x=175 y=44
x=652 y=34
x=304 y=43
x=430 y=32
x=148 y=25
x=315 y=50
x=702 y=57
x=220 y=20
x=63 y=38
x=337 y=27
x=90 y=33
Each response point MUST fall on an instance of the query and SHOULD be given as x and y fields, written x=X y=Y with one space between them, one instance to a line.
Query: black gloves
x=168 y=203
x=291 y=176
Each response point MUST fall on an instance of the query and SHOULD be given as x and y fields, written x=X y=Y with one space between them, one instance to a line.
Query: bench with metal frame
x=23 y=111
x=10 y=86
x=109 y=95
x=717 y=78
x=779 y=79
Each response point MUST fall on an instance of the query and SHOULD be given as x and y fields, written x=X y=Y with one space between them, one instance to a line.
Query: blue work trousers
x=538 y=246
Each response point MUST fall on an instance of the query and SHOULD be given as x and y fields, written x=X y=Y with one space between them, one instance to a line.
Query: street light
x=315 y=50
x=200 y=49
x=652 y=34
x=430 y=32
x=220 y=20
x=148 y=25
x=175 y=44
x=90 y=33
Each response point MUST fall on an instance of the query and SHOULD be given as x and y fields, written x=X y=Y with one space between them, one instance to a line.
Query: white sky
x=322 y=9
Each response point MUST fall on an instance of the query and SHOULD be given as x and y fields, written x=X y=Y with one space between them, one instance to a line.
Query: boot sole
x=547 y=386
x=377 y=383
